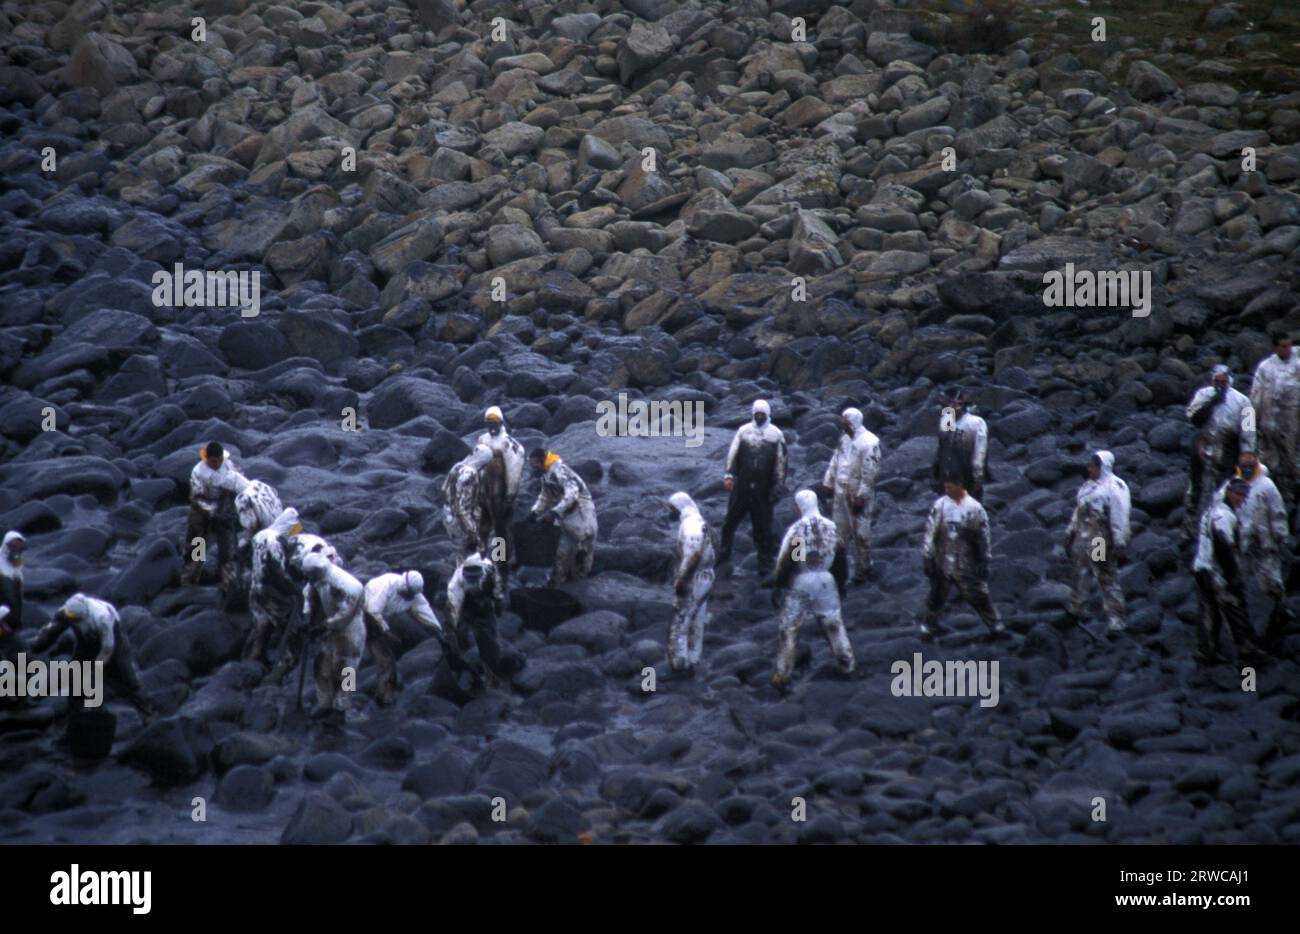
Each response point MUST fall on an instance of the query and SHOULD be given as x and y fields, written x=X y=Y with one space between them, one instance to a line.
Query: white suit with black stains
x=390 y=597
x=464 y=512
x=803 y=572
x=1275 y=394
x=209 y=491
x=1264 y=529
x=1227 y=427
x=274 y=590
x=565 y=497
x=851 y=477
x=500 y=488
x=1220 y=583
x=692 y=578
x=343 y=640
x=957 y=552
x=1101 y=513
x=99 y=638
x=257 y=505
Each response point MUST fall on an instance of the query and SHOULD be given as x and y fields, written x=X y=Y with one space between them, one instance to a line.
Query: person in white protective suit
x=342 y=630
x=214 y=484
x=1263 y=531
x=1226 y=420
x=471 y=610
x=1220 y=583
x=851 y=479
x=11 y=602
x=692 y=579
x=963 y=445
x=464 y=511
x=565 y=501
x=501 y=480
x=298 y=547
x=956 y=554
x=99 y=638
x=1275 y=394
x=276 y=587
x=754 y=478
x=1097 y=540
x=257 y=507
x=390 y=597
x=809 y=578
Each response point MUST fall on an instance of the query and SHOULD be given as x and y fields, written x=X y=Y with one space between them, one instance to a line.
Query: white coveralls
x=390 y=597
x=692 y=577
x=1227 y=427
x=257 y=505
x=464 y=513
x=565 y=496
x=272 y=594
x=1275 y=394
x=343 y=642
x=813 y=592
x=851 y=477
x=1101 y=511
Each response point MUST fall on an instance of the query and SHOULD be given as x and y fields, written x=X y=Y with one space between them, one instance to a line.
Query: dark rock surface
x=385 y=166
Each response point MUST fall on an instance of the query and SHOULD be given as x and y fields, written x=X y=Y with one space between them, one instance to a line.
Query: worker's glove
x=859 y=504
x=728 y=484
x=930 y=565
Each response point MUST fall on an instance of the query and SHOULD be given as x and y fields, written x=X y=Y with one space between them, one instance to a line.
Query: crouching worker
x=274 y=591
x=811 y=575
x=471 y=606
x=565 y=501
x=388 y=598
x=341 y=634
x=99 y=638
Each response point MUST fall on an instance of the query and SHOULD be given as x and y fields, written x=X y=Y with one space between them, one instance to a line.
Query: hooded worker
x=810 y=577
x=1226 y=420
x=956 y=552
x=1220 y=583
x=214 y=484
x=471 y=608
x=851 y=478
x=565 y=501
x=11 y=585
x=257 y=506
x=464 y=512
x=11 y=598
x=390 y=597
x=342 y=636
x=1275 y=395
x=963 y=445
x=275 y=588
x=755 y=475
x=1264 y=529
x=1097 y=539
x=99 y=638
x=692 y=577
x=298 y=547
x=501 y=479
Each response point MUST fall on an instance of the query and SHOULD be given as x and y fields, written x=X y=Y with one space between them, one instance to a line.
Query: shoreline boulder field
x=329 y=235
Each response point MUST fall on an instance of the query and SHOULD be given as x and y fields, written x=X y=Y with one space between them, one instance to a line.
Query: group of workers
x=1241 y=493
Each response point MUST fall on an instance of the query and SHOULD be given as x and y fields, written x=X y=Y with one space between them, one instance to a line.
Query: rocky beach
x=546 y=206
